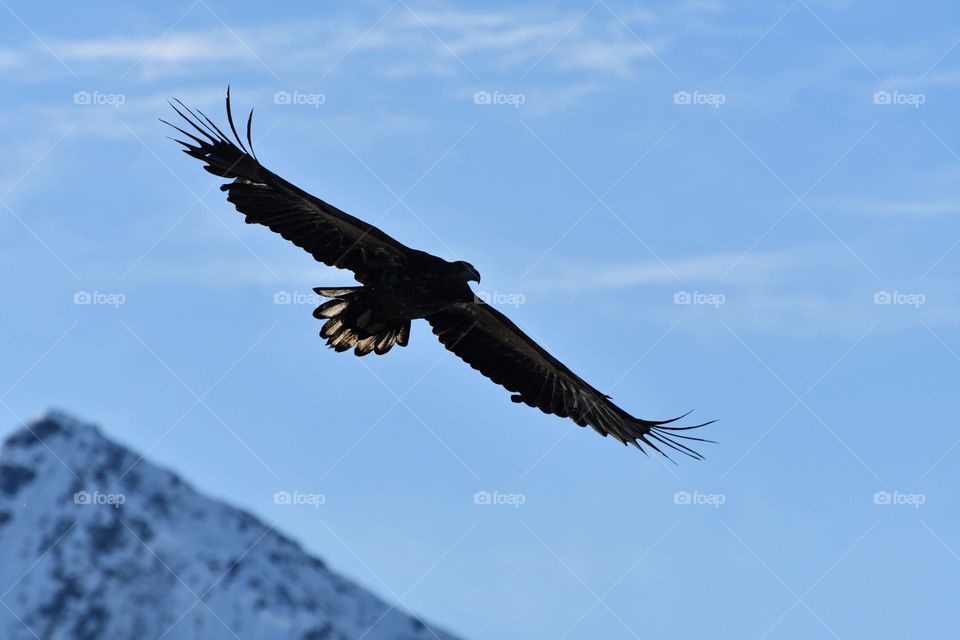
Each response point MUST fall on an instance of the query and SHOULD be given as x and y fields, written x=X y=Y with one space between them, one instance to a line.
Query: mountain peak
x=53 y=424
x=95 y=542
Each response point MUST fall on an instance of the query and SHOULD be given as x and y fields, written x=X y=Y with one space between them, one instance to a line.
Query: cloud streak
x=428 y=41
x=793 y=291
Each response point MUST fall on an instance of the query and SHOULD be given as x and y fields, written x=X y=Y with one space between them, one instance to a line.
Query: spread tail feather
x=351 y=324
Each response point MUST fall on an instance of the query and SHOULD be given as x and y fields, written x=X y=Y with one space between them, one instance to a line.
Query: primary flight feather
x=400 y=284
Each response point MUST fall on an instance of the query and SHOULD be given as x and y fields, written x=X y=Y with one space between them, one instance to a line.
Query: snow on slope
x=87 y=552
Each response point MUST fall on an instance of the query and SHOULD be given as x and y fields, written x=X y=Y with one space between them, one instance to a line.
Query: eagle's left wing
x=493 y=345
x=330 y=235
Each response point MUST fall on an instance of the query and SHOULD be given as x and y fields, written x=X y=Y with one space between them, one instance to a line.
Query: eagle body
x=375 y=317
x=423 y=285
x=399 y=285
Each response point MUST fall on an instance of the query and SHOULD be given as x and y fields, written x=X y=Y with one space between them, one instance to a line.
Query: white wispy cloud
x=801 y=290
x=426 y=41
x=703 y=6
x=901 y=207
x=217 y=44
x=617 y=56
x=10 y=59
x=733 y=269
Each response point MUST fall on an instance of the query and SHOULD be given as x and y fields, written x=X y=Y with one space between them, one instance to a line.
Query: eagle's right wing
x=493 y=345
x=330 y=235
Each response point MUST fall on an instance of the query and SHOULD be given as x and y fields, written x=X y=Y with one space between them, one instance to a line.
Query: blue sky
x=748 y=209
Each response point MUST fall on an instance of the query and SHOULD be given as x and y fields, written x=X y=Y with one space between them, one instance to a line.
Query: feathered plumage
x=401 y=284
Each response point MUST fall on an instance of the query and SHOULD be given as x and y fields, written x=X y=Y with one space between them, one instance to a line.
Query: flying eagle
x=400 y=284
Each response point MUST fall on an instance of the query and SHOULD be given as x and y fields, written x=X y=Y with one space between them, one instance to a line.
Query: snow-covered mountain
x=87 y=552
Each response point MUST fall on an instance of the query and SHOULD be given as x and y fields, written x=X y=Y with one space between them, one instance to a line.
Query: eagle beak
x=466 y=271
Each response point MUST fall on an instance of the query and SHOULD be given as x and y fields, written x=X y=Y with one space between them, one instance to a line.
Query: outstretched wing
x=330 y=235
x=493 y=345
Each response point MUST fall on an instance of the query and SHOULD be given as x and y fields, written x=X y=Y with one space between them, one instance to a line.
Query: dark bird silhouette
x=400 y=284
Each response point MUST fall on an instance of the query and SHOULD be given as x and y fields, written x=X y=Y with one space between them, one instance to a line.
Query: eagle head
x=467 y=271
